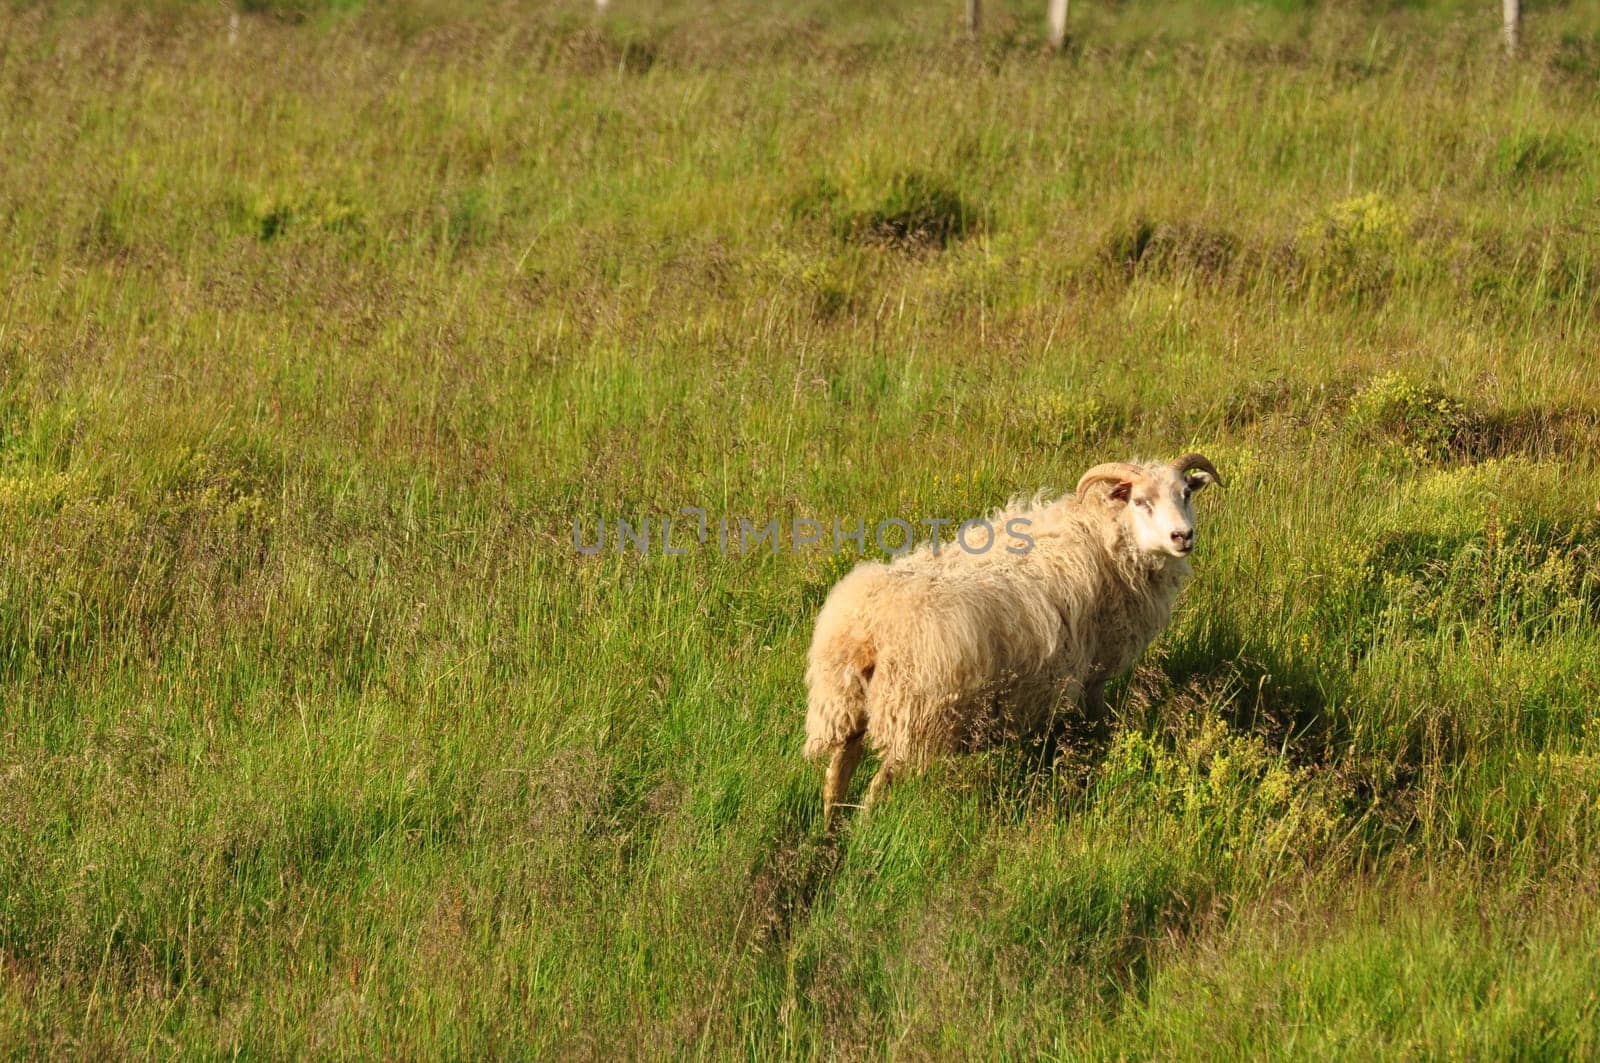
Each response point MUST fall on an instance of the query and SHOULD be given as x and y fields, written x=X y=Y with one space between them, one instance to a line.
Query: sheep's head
x=1152 y=501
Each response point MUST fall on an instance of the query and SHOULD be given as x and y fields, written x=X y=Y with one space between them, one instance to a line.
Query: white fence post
x=1512 y=12
x=975 y=16
x=1058 y=23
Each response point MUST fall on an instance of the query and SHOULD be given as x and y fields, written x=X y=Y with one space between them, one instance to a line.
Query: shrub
x=270 y=215
x=1528 y=154
x=916 y=211
x=1178 y=249
x=1351 y=247
x=1426 y=423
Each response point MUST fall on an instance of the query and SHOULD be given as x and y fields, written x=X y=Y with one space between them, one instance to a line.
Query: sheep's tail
x=837 y=708
x=843 y=658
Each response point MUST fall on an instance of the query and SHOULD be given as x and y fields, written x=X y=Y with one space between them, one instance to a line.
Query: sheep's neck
x=1135 y=604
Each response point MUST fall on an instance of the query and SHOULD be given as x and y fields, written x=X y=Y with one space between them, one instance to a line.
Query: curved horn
x=1112 y=471
x=1190 y=462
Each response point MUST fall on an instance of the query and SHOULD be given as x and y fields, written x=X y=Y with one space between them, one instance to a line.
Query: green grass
x=321 y=738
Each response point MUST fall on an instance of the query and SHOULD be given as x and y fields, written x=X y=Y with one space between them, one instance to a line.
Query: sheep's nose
x=1184 y=539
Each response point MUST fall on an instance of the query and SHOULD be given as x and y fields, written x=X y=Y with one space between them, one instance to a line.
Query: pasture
x=321 y=325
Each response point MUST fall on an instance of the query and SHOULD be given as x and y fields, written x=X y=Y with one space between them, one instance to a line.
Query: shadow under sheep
x=1253 y=689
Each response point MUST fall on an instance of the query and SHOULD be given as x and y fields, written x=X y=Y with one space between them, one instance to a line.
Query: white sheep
x=945 y=649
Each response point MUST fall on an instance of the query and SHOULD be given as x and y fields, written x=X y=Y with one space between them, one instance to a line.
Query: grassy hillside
x=318 y=334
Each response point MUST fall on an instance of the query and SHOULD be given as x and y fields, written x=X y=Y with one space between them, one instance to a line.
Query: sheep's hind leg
x=880 y=782
x=837 y=782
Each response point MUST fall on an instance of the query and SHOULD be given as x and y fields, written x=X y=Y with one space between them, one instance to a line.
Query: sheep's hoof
x=831 y=818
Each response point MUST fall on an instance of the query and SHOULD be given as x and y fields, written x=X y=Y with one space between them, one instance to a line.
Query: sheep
x=944 y=650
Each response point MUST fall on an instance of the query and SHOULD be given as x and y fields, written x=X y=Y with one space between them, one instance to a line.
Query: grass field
x=317 y=334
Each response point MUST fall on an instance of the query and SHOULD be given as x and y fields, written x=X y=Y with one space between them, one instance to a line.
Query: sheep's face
x=1153 y=502
x=1157 y=510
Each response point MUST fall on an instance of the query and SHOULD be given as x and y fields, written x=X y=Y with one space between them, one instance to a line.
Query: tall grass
x=321 y=738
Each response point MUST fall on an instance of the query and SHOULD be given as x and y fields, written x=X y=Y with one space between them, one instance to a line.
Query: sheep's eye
x=1142 y=503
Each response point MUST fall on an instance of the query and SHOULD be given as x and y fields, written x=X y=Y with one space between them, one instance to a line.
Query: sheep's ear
x=1198 y=479
x=1122 y=490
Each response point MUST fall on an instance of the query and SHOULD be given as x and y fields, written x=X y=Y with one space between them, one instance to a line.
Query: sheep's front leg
x=1094 y=699
x=837 y=782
